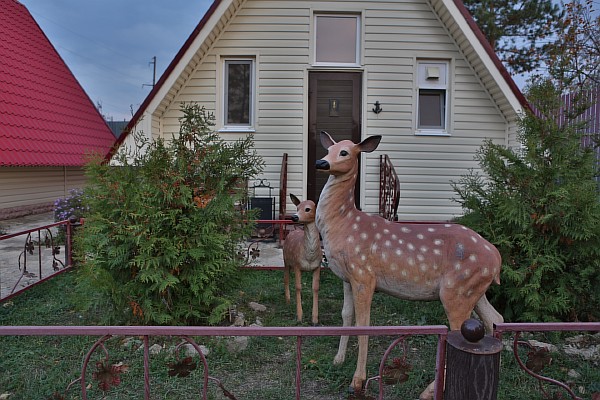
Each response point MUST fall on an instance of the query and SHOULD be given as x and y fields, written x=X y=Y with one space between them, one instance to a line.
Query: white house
x=417 y=72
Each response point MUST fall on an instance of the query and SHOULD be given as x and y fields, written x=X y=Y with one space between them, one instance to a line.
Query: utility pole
x=153 y=62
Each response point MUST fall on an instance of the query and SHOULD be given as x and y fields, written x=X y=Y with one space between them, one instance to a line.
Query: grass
x=42 y=367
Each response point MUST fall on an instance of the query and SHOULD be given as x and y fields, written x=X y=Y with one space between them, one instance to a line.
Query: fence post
x=472 y=363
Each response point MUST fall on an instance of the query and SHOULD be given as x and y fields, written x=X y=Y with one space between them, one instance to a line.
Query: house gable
x=395 y=37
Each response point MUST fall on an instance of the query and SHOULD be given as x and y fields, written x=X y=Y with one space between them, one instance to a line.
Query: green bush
x=162 y=234
x=539 y=205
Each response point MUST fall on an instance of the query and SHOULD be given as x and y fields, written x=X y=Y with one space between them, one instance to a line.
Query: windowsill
x=237 y=129
x=336 y=65
x=431 y=132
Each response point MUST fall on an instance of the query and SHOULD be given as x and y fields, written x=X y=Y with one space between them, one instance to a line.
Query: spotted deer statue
x=424 y=261
x=302 y=252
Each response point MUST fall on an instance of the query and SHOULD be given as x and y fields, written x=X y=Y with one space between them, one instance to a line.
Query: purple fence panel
x=106 y=372
x=518 y=328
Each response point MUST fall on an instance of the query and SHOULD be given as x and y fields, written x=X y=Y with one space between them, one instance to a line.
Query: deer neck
x=311 y=239
x=336 y=201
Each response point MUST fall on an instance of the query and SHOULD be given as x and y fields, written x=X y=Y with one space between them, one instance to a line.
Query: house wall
x=31 y=190
x=395 y=34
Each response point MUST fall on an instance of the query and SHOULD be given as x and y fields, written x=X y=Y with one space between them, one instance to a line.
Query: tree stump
x=472 y=363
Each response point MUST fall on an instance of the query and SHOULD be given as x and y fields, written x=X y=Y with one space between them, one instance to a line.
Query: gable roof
x=46 y=118
x=453 y=14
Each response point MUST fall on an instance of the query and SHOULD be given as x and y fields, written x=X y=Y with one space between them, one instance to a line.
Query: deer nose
x=295 y=218
x=322 y=164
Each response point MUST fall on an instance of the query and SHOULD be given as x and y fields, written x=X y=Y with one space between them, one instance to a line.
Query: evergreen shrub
x=539 y=204
x=165 y=224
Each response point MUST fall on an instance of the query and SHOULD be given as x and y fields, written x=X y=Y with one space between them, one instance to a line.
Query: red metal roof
x=46 y=118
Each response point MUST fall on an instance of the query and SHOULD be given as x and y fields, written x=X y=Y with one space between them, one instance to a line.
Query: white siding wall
x=396 y=34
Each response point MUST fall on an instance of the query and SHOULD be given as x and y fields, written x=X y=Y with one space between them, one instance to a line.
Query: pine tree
x=539 y=204
x=163 y=228
x=518 y=30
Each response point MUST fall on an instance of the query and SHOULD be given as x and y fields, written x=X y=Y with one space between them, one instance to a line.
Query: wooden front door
x=334 y=106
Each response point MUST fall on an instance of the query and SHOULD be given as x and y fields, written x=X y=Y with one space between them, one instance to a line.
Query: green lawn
x=42 y=367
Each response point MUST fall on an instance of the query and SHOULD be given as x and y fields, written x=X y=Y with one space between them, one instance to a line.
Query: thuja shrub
x=539 y=204
x=165 y=222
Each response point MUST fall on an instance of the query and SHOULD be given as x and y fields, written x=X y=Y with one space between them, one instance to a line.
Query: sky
x=109 y=44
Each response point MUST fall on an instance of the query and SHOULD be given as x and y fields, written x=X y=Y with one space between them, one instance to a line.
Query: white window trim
x=250 y=128
x=358 y=18
x=433 y=131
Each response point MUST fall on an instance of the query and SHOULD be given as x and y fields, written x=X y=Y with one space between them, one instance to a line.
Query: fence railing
x=32 y=256
x=186 y=333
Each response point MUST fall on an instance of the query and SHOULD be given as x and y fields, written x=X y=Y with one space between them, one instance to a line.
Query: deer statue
x=302 y=252
x=419 y=261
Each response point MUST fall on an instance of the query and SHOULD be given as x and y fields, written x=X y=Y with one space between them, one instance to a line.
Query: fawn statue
x=419 y=261
x=302 y=252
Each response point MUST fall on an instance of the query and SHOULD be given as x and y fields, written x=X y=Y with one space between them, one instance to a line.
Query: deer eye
x=307 y=209
x=343 y=153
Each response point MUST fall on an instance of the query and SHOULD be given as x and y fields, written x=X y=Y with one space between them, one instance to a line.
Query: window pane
x=432 y=104
x=336 y=39
x=238 y=92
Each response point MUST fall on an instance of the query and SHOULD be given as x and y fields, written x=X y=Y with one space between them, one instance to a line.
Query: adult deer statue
x=424 y=261
x=302 y=252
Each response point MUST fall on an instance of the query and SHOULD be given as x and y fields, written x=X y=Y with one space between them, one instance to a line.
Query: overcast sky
x=109 y=44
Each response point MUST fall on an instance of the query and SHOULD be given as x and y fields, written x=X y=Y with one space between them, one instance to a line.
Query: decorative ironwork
x=389 y=189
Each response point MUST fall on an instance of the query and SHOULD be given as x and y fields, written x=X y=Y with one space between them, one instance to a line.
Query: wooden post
x=472 y=364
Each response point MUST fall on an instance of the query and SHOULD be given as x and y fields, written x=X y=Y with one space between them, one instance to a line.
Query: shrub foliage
x=164 y=225
x=539 y=205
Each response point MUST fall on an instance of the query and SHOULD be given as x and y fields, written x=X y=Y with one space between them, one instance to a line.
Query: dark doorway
x=334 y=100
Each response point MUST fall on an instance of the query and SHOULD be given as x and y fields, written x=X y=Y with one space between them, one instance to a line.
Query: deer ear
x=295 y=200
x=370 y=143
x=326 y=140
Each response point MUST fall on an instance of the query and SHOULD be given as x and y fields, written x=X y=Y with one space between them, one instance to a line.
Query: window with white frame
x=432 y=92
x=238 y=96
x=337 y=40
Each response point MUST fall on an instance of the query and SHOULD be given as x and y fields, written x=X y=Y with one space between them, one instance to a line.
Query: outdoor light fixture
x=334 y=107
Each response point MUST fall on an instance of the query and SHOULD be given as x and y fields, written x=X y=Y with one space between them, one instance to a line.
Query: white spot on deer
x=423 y=249
x=357 y=249
x=457 y=266
x=394 y=237
x=449 y=283
x=431 y=230
x=361 y=272
x=411 y=261
x=369 y=268
x=485 y=272
x=357 y=219
x=488 y=248
x=400 y=241
x=350 y=239
x=374 y=247
x=420 y=236
x=405 y=229
x=447 y=226
x=394 y=266
x=352 y=266
x=464 y=228
x=386 y=231
x=474 y=239
x=384 y=256
x=355 y=227
x=363 y=258
x=469 y=292
x=473 y=257
x=435 y=267
x=410 y=246
x=374 y=225
x=420 y=257
x=461 y=290
x=416 y=278
x=404 y=272
x=467 y=272
x=388 y=243
x=423 y=267
x=398 y=252
x=364 y=236
x=437 y=252
x=438 y=242
x=378 y=236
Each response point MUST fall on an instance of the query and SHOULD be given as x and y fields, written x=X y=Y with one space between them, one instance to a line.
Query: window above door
x=337 y=40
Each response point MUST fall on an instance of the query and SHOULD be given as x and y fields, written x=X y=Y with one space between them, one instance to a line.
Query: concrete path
x=23 y=261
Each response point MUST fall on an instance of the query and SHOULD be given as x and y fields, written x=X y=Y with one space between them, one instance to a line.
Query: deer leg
x=286 y=282
x=363 y=296
x=458 y=307
x=347 y=316
x=315 y=288
x=488 y=314
x=298 y=282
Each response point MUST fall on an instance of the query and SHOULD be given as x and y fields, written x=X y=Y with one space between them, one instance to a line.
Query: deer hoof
x=339 y=359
